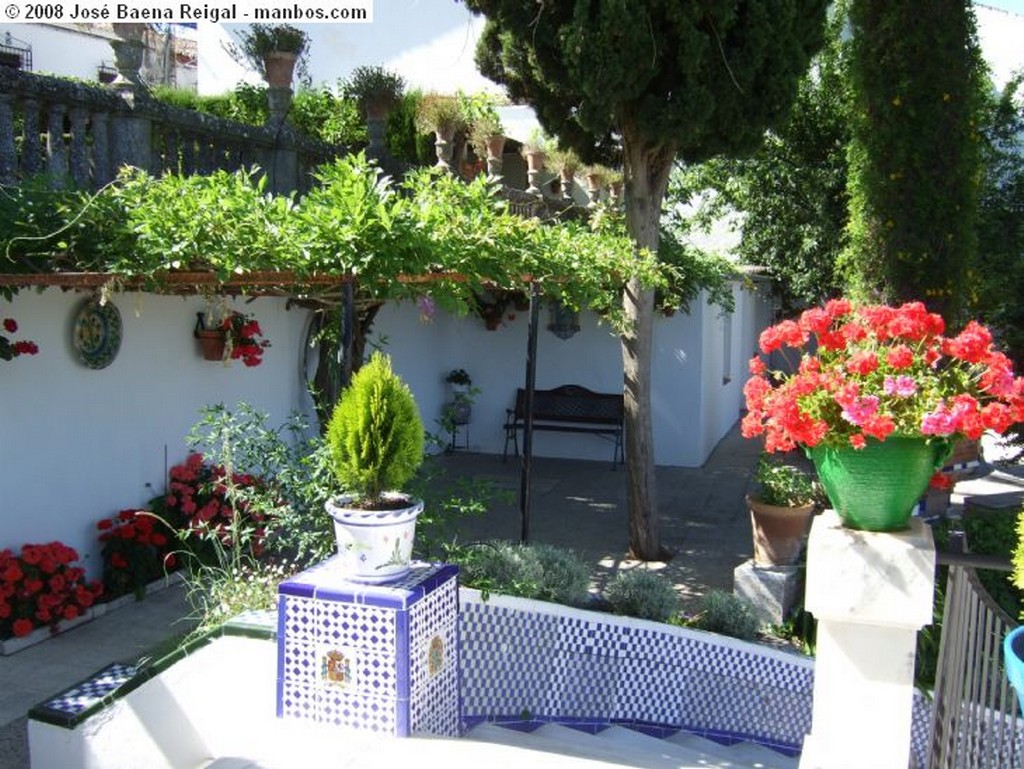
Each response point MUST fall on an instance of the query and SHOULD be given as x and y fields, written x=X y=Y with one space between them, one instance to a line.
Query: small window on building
x=14 y=53
x=106 y=74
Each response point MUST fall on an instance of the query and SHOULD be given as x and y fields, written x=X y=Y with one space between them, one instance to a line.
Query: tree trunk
x=647 y=168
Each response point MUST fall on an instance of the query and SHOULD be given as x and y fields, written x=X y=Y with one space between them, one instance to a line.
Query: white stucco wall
x=693 y=409
x=57 y=51
x=77 y=445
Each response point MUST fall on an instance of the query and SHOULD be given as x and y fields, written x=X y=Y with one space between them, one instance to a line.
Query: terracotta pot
x=279 y=66
x=211 y=343
x=495 y=146
x=779 y=532
x=535 y=161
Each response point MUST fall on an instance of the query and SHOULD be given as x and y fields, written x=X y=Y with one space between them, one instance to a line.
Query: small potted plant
x=460 y=382
x=376 y=91
x=11 y=349
x=488 y=138
x=273 y=50
x=781 y=508
x=234 y=337
x=376 y=442
x=565 y=162
x=441 y=115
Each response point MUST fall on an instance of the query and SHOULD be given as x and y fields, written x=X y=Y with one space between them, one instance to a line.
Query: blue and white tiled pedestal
x=383 y=658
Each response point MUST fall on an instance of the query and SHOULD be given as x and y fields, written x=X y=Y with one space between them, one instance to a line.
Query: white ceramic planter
x=375 y=545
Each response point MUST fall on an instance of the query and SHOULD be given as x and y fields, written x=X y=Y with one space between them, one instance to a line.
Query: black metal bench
x=569 y=409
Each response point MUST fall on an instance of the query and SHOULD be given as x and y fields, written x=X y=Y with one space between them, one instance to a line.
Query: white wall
x=693 y=409
x=77 y=444
x=75 y=53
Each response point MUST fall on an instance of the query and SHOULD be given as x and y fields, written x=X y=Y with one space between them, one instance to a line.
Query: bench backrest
x=572 y=403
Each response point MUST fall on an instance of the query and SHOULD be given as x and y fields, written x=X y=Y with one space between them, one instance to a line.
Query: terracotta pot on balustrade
x=279 y=67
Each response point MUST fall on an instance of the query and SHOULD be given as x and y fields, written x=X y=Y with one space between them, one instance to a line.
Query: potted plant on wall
x=377 y=91
x=441 y=115
x=273 y=50
x=781 y=508
x=376 y=442
x=235 y=336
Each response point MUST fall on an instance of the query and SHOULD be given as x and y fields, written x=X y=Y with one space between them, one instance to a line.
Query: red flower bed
x=40 y=587
x=138 y=548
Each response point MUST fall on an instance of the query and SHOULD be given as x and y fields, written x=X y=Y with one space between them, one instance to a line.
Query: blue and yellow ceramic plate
x=96 y=335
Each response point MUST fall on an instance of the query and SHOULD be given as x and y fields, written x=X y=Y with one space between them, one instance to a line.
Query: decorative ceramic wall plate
x=96 y=335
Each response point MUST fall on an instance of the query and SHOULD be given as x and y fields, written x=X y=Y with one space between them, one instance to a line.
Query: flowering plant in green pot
x=872 y=371
x=875 y=375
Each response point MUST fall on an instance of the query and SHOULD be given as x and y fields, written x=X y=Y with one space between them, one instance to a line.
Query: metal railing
x=975 y=721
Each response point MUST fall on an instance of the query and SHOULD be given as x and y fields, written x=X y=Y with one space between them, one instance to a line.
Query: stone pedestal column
x=871 y=593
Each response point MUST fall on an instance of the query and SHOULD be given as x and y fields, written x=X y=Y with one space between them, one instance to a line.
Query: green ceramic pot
x=877 y=487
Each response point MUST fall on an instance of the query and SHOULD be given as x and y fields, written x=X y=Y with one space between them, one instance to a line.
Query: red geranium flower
x=873 y=370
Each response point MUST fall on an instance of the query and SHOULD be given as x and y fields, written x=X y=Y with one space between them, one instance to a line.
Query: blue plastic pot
x=1013 y=654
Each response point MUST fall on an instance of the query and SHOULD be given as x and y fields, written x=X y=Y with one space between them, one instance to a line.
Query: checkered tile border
x=87 y=693
x=536 y=661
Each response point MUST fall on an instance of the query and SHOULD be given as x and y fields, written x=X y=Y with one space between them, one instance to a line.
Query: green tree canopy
x=660 y=80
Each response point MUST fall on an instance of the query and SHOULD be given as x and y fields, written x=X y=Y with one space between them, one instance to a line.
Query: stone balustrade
x=79 y=134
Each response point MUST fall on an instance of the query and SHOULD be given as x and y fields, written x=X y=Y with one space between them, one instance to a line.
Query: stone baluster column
x=871 y=593
x=8 y=151
x=172 y=150
x=56 y=149
x=101 y=170
x=206 y=155
x=80 y=172
x=188 y=153
x=32 y=148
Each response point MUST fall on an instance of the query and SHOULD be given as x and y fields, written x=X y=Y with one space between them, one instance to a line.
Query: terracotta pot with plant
x=377 y=91
x=565 y=162
x=488 y=140
x=273 y=50
x=376 y=443
x=781 y=508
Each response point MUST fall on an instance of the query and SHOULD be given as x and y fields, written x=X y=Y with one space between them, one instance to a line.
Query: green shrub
x=994 y=532
x=727 y=614
x=643 y=594
x=375 y=434
x=543 y=572
x=565 y=577
x=502 y=567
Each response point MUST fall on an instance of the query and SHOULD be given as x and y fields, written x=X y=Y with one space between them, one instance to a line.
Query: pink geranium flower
x=874 y=371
